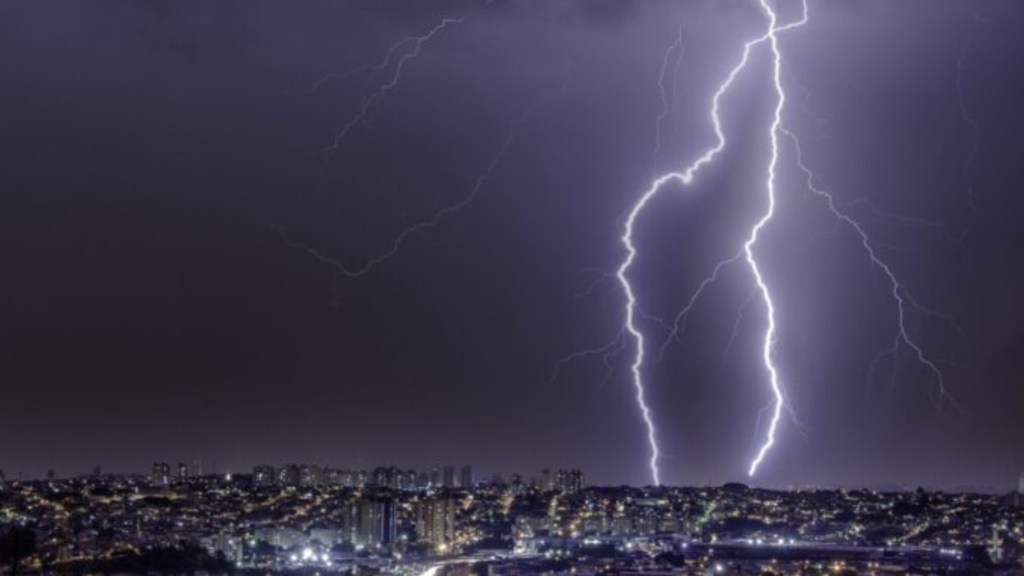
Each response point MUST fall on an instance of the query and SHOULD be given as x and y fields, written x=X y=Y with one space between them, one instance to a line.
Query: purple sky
x=150 y=151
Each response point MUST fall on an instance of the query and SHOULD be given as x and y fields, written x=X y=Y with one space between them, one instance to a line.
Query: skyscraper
x=346 y=478
x=547 y=480
x=466 y=476
x=263 y=476
x=388 y=477
x=449 y=476
x=182 y=472
x=570 y=481
x=435 y=521
x=408 y=480
x=310 y=476
x=161 y=475
x=289 y=475
x=371 y=522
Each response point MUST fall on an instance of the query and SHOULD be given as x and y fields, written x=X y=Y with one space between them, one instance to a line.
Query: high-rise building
x=449 y=476
x=311 y=476
x=263 y=476
x=466 y=476
x=371 y=522
x=407 y=480
x=3 y=480
x=289 y=475
x=547 y=480
x=570 y=481
x=197 y=468
x=347 y=478
x=389 y=477
x=1016 y=499
x=435 y=478
x=435 y=521
x=182 y=472
x=161 y=475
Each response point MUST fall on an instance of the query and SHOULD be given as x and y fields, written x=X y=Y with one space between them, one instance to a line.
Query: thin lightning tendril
x=961 y=69
x=607 y=352
x=396 y=77
x=675 y=49
x=905 y=302
x=440 y=215
x=735 y=334
x=679 y=324
x=383 y=65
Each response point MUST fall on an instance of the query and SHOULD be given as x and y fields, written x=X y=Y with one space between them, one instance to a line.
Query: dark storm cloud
x=151 y=310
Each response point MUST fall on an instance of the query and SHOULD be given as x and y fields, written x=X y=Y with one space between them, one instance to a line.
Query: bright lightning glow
x=767 y=349
x=685 y=177
x=631 y=331
x=904 y=301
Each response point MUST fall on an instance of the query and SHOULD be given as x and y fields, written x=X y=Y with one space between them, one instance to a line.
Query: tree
x=16 y=545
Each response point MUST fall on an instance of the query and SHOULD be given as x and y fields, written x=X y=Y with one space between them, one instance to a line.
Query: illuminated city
x=308 y=518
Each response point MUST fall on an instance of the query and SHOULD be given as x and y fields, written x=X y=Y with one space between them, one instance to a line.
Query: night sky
x=152 y=153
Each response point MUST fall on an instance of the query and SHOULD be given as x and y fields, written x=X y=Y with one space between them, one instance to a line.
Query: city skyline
x=351 y=234
x=227 y=524
x=436 y=476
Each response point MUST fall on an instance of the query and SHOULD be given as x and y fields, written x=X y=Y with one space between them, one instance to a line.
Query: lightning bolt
x=685 y=177
x=767 y=348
